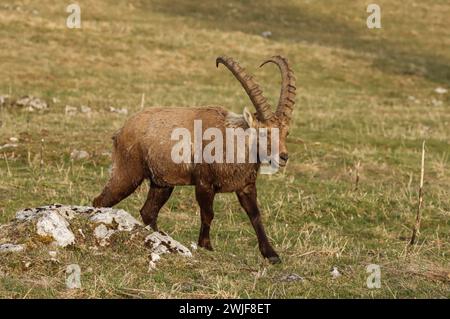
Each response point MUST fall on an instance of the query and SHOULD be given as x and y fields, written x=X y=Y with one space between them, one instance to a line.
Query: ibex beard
x=142 y=149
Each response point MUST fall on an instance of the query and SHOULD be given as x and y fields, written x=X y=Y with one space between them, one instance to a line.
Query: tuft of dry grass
x=416 y=227
x=364 y=96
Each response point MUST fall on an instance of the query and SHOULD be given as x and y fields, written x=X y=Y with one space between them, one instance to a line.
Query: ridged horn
x=287 y=94
x=263 y=109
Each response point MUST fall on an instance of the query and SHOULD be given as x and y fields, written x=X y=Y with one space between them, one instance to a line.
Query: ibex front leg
x=205 y=198
x=247 y=198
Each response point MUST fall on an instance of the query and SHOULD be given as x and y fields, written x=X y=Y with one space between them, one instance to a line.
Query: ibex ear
x=248 y=117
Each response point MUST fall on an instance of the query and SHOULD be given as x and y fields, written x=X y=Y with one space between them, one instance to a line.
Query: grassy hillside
x=365 y=96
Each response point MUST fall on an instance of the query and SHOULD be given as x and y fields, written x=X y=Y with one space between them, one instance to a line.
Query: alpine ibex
x=142 y=150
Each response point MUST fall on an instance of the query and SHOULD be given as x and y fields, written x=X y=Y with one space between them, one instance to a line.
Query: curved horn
x=263 y=109
x=287 y=93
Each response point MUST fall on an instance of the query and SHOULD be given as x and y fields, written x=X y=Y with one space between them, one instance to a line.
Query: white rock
x=67 y=212
x=119 y=111
x=102 y=234
x=335 y=273
x=11 y=248
x=107 y=216
x=13 y=139
x=73 y=276
x=81 y=232
x=31 y=103
x=125 y=221
x=70 y=110
x=440 y=90
x=151 y=265
x=8 y=145
x=85 y=109
x=435 y=102
x=53 y=224
x=266 y=34
x=25 y=214
x=154 y=257
x=162 y=243
x=79 y=155
x=4 y=99
x=292 y=277
x=194 y=246
x=54 y=221
x=413 y=99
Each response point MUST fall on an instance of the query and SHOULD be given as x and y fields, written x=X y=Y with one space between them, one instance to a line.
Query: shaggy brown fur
x=142 y=150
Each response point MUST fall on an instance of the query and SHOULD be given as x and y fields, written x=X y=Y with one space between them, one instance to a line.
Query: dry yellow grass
x=364 y=96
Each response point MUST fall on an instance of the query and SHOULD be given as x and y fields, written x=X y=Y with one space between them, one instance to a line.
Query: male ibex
x=142 y=150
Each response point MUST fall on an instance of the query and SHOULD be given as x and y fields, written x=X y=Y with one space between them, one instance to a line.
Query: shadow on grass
x=297 y=23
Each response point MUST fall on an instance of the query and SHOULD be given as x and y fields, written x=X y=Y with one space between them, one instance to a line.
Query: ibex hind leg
x=122 y=183
x=156 y=198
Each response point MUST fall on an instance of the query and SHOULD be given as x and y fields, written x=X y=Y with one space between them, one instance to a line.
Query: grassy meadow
x=366 y=101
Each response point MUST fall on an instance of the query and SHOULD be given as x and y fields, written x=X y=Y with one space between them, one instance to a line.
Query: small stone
x=162 y=243
x=435 y=102
x=54 y=225
x=266 y=34
x=13 y=139
x=292 y=277
x=4 y=100
x=79 y=155
x=70 y=110
x=124 y=221
x=440 y=90
x=85 y=109
x=31 y=103
x=73 y=276
x=118 y=111
x=335 y=273
x=8 y=145
x=154 y=257
x=151 y=266
x=413 y=99
x=11 y=248
x=102 y=234
x=81 y=233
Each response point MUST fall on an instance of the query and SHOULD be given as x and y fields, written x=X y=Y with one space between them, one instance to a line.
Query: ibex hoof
x=207 y=245
x=274 y=260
